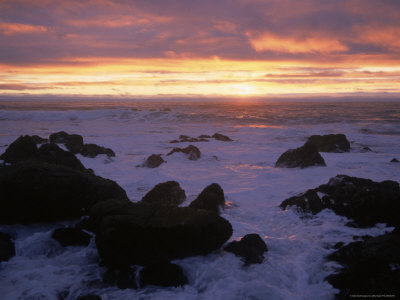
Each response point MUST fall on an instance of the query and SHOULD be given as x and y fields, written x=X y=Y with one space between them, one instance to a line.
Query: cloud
x=16 y=28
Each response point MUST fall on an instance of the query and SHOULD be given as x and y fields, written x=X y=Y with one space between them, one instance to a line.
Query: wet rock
x=251 y=248
x=39 y=140
x=394 y=160
x=92 y=150
x=329 y=143
x=71 y=237
x=188 y=139
x=141 y=233
x=166 y=193
x=163 y=274
x=204 y=136
x=154 y=161
x=191 y=151
x=73 y=142
x=366 y=149
x=51 y=153
x=303 y=157
x=23 y=148
x=211 y=198
x=221 y=137
x=124 y=278
x=41 y=192
x=89 y=297
x=7 y=249
x=365 y=201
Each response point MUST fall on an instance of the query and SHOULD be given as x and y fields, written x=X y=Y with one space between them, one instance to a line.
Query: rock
x=188 y=139
x=7 y=249
x=124 y=278
x=51 y=153
x=141 y=233
x=221 y=137
x=89 y=297
x=39 y=140
x=153 y=161
x=163 y=274
x=394 y=160
x=204 y=136
x=166 y=193
x=329 y=143
x=92 y=150
x=363 y=200
x=211 y=198
x=23 y=148
x=303 y=157
x=251 y=248
x=368 y=267
x=192 y=151
x=41 y=192
x=71 y=237
x=73 y=142
x=366 y=149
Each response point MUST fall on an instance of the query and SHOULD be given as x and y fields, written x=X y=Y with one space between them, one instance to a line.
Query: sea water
x=294 y=266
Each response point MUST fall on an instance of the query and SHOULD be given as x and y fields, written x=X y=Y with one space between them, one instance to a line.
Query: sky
x=199 y=48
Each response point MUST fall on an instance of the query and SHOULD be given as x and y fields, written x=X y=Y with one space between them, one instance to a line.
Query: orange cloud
x=387 y=37
x=271 y=42
x=16 y=28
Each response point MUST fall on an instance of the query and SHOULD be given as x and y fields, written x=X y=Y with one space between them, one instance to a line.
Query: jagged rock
x=51 y=153
x=89 y=297
x=7 y=249
x=221 y=137
x=394 y=160
x=329 y=143
x=39 y=140
x=124 y=278
x=363 y=200
x=166 y=193
x=191 y=151
x=22 y=148
x=73 y=142
x=141 y=233
x=211 y=198
x=251 y=248
x=40 y=192
x=303 y=157
x=71 y=237
x=163 y=274
x=92 y=150
x=154 y=161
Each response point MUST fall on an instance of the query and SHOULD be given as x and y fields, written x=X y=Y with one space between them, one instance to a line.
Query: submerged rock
x=211 y=198
x=394 y=160
x=23 y=148
x=365 y=201
x=92 y=150
x=153 y=161
x=188 y=139
x=163 y=274
x=41 y=192
x=7 y=249
x=73 y=142
x=251 y=248
x=221 y=137
x=71 y=237
x=166 y=193
x=329 y=143
x=191 y=151
x=303 y=157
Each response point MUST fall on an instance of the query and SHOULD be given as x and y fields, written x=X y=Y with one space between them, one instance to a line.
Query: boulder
x=71 y=237
x=153 y=161
x=163 y=274
x=303 y=157
x=211 y=198
x=92 y=150
x=221 y=137
x=251 y=248
x=23 y=148
x=52 y=154
x=191 y=151
x=89 y=297
x=365 y=201
x=41 y=192
x=39 y=140
x=142 y=233
x=124 y=278
x=166 y=193
x=329 y=143
x=7 y=249
x=73 y=142
x=394 y=160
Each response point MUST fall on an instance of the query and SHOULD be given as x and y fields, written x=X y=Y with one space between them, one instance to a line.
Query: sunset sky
x=206 y=48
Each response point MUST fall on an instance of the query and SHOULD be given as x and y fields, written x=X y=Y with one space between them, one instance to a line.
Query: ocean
x=295 y=265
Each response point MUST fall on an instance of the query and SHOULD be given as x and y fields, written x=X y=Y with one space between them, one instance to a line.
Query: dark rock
x=166 y=193
x=73 y=142
x=188 y=139
x=40 y=192
x=192 y=151
x=163 y=274
x=251 y=248
x=183 y=137
x=366 y=149
x=7 y=249
x=363 y=200
x=303 y=157
x=51 y=153
x=221 y=137
x=23 y=148
x=174 y=142
x=394 y=160
x=141 y=233
x=92 y=150
x=211 y=198
x=71 y=237
x=204 y=136
x=39 y=140
x=89 y=297
x=153 y=161
x=329 y=143
x=124 y=278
